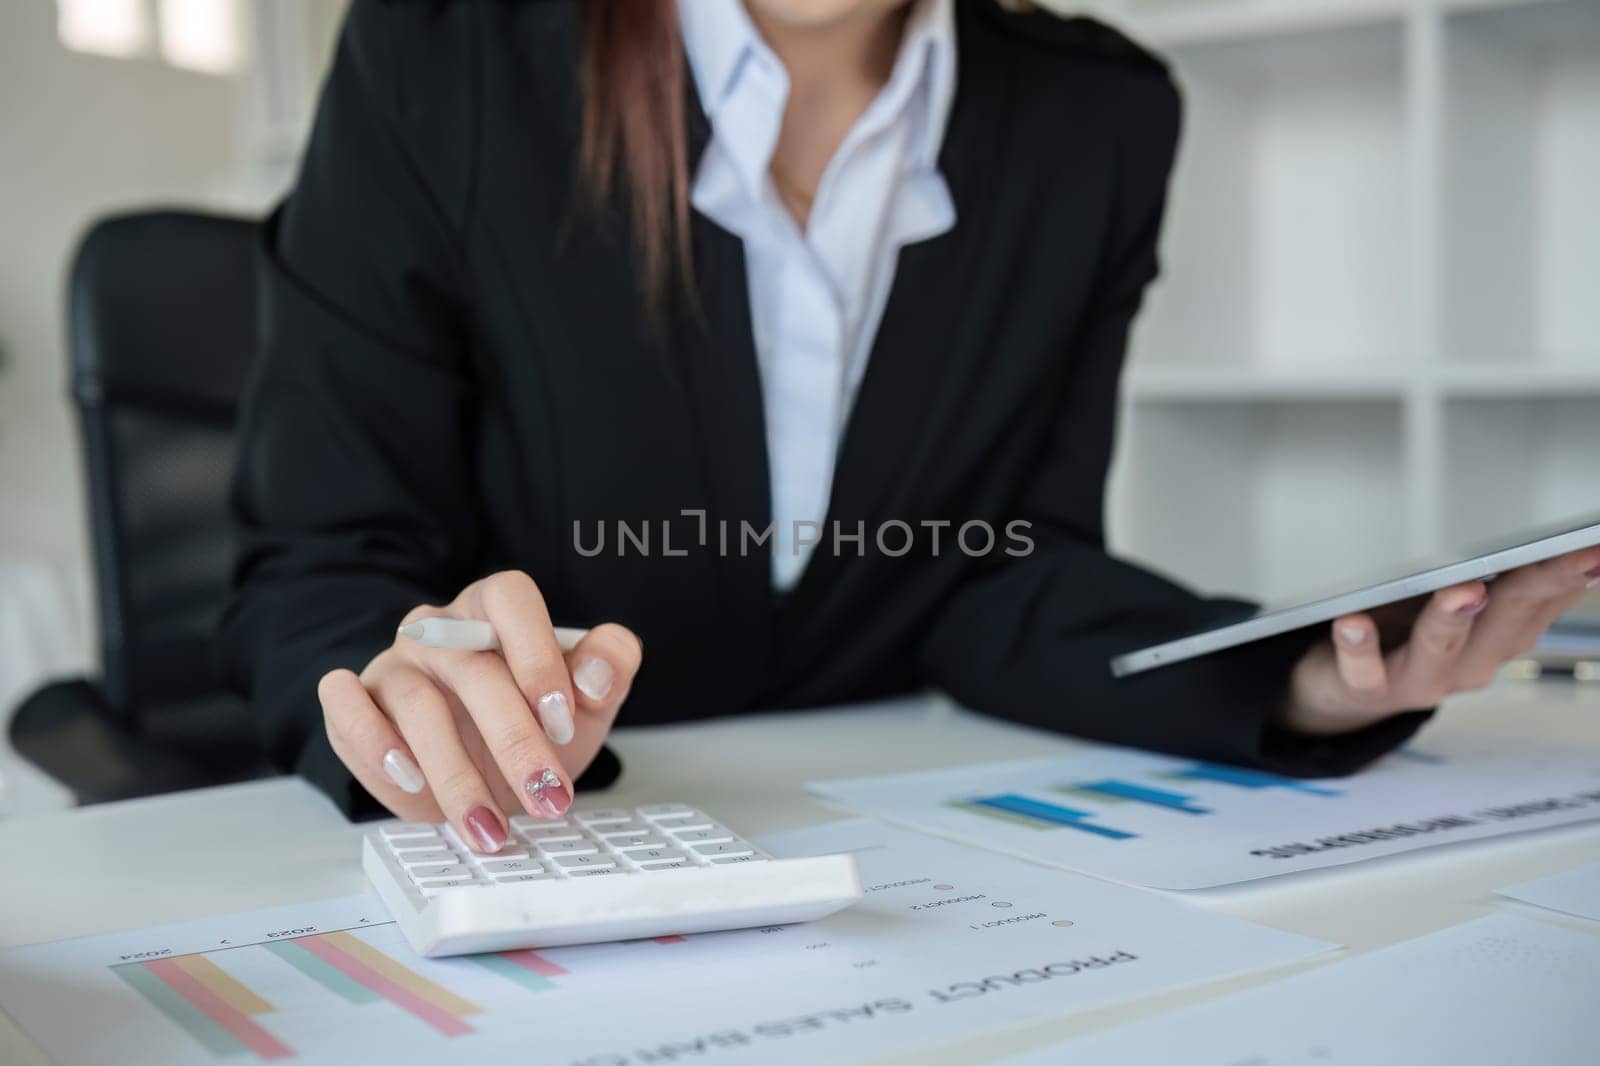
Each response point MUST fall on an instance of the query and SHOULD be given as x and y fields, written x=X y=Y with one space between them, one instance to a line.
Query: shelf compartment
x=1168 y=23
x=1521 y=254
x=1510 y=464
x=1516 y=379
x=1157 y=382
x=1263 y=500
x=1286 y=238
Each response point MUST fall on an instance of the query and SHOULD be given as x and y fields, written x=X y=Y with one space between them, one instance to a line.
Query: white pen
x=473 y=634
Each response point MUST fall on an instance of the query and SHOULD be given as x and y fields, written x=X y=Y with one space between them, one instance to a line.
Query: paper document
x=948 y=940
x=1173 y=823
x=1575 y=892
x=1497 y=991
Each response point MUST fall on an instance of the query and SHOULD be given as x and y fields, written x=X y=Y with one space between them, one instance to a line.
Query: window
x=201 y=35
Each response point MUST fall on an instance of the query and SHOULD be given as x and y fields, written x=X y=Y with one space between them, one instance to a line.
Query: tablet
x=1482 y=564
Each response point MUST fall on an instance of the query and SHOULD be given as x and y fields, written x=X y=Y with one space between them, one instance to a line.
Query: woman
x=782 y=336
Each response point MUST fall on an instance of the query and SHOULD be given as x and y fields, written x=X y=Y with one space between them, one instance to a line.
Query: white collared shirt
x=816 y=297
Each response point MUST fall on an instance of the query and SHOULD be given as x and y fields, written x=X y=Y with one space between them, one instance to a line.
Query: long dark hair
x=634 y=131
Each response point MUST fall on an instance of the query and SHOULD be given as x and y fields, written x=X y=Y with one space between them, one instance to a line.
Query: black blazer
x=457 y=369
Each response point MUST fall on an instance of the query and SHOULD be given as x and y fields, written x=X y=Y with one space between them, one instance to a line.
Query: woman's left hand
x=1457 y=641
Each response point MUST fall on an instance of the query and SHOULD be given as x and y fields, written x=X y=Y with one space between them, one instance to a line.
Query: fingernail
x=403 y=772
x=1467 y=610
x=593 y=678
x=556 y=715
x=485 y=829
x=546 y=794
x=1594 y=578
x=1352 y=634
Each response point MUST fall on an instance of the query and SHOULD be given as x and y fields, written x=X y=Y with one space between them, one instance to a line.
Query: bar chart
x=209 y=995
x=1033 y=812
x=1038 y=814
x=227 y=1017
x=206 y=1003
x=1179 y=823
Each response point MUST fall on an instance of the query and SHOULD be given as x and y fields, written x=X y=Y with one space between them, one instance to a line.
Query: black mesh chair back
x=162 y=321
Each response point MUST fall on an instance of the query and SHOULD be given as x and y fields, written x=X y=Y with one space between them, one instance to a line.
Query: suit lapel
x=715 y=352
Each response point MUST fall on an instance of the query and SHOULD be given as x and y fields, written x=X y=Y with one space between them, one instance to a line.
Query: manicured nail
x=403 y=772
x=485 y=829
x=1594 y=578
x=1352 y=634
x=593 y=678
x=546 y=794
x=1467 y=610
x=556 y=714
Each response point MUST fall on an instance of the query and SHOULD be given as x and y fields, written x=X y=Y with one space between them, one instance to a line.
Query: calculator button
x=611 y=830
x=512 y=850
x=568 y=847
x=512 y=866
x=525 y=823
x=582 y=862
x=428 y=858
x=426 y=874
x=661 y=810
x=637 y=840
x=409 y=829
x=723 y=860
x=725 y=848
x=681 y=864
x=514 y=878
x=593 y=872
x=604 y=814
x=556 y=832
x=675 y=822
x=651 y=856
x=430 y=842
x=715 y=835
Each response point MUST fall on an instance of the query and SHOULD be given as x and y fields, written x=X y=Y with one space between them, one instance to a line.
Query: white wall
x=81 y=136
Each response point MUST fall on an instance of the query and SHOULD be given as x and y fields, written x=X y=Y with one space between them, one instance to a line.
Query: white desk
x=220 y=850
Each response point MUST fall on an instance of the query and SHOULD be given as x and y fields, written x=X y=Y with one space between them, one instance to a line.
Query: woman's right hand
x=437 y=734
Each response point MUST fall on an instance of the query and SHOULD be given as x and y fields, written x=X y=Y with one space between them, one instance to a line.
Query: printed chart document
x=948 y=940
x=1575 y=892
x=1169 y=823
x=1497 y=991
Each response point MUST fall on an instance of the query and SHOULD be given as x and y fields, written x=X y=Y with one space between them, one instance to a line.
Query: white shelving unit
x=1377 y=333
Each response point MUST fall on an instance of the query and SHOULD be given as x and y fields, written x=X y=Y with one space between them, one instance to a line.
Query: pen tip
x=413 y=630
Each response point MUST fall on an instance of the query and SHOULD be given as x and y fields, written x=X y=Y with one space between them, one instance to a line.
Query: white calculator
x=609 y=873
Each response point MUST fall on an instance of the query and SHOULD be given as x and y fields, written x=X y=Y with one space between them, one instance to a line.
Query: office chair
x=161 y=321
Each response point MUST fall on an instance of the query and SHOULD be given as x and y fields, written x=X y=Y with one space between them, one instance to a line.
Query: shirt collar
x=721 y=41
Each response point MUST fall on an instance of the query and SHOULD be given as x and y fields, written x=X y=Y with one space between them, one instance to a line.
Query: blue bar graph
x=1241 y=778
x=1048 y=814
x=1116 y=791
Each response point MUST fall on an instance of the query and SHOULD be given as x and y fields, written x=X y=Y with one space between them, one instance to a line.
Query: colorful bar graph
x=364 y=964
x=206 y=1003
x=511 y=966
x=1239 y=777
x=535 y=962
x=185 y=1015
x=296 y=955
x=1043 y=815
x=1126 y=792
x=227 y=987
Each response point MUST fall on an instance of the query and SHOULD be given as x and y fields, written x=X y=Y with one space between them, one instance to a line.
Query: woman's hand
x=1457 y=641
x=438 y=734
